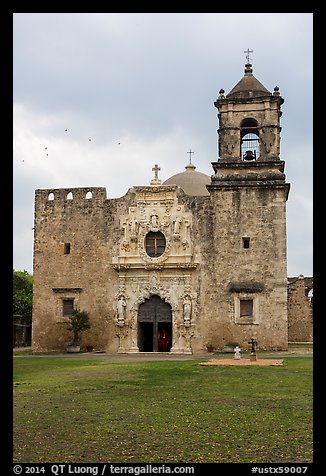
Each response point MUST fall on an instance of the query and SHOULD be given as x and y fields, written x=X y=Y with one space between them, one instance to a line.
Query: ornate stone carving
x=154 y=283
x=122 y=333
x=121 y=311
x=133 y=229
x=187 y=306
x=147 y=291
x=141 y=276
x=155 y=212
x=166 y=222
x=187 y=333
x=125 y=246
x=154 y=223
x=176 y=226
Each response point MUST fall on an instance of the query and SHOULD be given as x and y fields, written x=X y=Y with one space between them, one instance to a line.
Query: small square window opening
x=246 y=308
x=246 y=242
x=67 y=307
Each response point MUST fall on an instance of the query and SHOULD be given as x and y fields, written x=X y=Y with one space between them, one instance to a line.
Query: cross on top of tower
x=248 y=54
x=156 y=180
x=190 y=152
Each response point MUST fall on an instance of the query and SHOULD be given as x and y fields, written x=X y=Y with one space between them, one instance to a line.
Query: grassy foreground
x=92 y=410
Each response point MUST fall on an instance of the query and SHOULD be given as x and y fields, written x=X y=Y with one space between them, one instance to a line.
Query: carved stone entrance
x=154 y=325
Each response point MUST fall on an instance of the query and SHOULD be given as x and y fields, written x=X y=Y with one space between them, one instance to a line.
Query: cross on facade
x=248 y=53
x=253 y=343
x=190 y=152
x=156 y=170
x=156 y=180
x=253 y=355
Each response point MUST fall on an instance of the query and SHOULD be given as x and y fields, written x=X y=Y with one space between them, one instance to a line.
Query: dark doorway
x=164 y=336
x=155 y=326
x=145 y=336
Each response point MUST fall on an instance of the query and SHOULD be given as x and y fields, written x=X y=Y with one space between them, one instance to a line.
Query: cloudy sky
x=141 y=86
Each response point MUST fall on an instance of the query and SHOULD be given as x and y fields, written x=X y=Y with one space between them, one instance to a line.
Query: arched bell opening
x=250 y=144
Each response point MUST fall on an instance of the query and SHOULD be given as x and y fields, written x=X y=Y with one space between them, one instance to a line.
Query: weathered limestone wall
x=238 y=273
x=203 y=238
x=206 y=265
x=84 y=274
x=300 y=311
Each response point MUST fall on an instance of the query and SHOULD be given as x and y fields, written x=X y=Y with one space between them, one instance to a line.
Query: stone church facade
x=190 y=264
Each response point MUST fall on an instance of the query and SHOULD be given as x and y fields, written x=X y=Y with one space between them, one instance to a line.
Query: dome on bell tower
x=248 y=86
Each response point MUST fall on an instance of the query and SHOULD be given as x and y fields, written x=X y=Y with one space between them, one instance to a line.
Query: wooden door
x=151 y=314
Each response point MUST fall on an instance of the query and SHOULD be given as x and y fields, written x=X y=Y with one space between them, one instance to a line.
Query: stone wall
x=257 y=272
x=90 y=249
x=83 y=274
x=300 y=310
x=21 y=331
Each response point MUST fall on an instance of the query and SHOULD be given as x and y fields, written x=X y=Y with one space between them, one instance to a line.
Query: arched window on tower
x=249 y=139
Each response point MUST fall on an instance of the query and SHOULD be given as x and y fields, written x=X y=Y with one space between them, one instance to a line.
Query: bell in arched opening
x=250 y=149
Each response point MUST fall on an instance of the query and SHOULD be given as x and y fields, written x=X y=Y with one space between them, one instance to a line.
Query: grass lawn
x=91 y=410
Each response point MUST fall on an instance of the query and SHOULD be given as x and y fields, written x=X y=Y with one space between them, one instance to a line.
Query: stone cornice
x=244 y=287
x=154 y=266
x=65 y=290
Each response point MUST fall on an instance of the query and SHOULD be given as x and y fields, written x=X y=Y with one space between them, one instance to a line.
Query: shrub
x=79 y=322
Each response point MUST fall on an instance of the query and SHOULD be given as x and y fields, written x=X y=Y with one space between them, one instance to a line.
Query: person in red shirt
x=163 y=341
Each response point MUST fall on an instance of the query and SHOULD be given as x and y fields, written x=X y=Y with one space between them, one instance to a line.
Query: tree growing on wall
x=23 y=294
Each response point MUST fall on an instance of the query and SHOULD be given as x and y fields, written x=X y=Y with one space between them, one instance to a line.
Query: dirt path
x=243 y=362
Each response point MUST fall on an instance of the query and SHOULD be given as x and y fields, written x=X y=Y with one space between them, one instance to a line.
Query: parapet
x=60 y=196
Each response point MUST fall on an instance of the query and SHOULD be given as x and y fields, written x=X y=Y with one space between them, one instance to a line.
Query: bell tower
x=249 y=120
x=248 y=196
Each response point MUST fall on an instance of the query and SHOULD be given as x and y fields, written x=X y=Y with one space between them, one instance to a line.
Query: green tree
x=23 y=294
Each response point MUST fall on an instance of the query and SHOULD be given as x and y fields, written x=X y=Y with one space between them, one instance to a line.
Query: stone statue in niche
x=154 y=223
x=121 y=309
x=124 y=226
x=133 y=224
x=154 y=283
x=187 y=311
x=176 y=226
